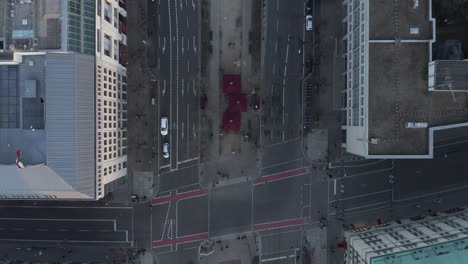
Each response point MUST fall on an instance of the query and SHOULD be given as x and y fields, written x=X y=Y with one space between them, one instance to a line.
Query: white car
x=309 y=22
x=164 y=125
x=165 y=150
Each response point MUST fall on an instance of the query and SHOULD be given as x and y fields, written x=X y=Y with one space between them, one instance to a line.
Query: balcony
x=122 y=28
x=122 y=11
x=122 y=54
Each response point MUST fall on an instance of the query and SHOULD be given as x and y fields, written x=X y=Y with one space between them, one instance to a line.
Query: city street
x=290 y=206
x=282 y=72
x=178 y=60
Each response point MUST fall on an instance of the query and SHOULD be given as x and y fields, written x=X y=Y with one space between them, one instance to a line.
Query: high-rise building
x=111 y=95
x=91 y=36
x=392 y=108
x=434 y=239
x=47 y=126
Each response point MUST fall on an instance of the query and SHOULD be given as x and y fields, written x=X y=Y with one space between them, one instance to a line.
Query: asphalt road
x=71 y=225
x=282 y=72
x=178 y=59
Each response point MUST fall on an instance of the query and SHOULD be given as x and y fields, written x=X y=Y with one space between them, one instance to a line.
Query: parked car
x=309 y=22
x=165 y=150
x=164 y=125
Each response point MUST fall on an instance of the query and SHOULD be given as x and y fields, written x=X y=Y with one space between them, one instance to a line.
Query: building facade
x=89 y=30
x=111 y=95
x=433 y=239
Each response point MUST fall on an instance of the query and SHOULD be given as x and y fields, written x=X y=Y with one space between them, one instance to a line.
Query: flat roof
x=398 y=94
x=389 y=20
x=62 y=93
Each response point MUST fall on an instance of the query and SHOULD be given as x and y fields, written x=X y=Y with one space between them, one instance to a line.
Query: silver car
x=309 y=22
x=165 y=150
x=164 y=125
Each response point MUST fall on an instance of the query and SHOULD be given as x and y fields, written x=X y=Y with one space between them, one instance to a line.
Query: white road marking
x=180 y=4
x=334 y=187
x=164 y=45
x=165 y=221
x=182 y=130
x=177 y=74
x=188 y=160
x=277 y=5
x=164 y=87
x=165 y=166
x=170 y=69
x=193 y=131
x=186 y=4
x=277 y=26
x=183 y=86
x=282 y=163
x=194 y=44
x=193 y=87
x=183 y=45
x=358 y=196
x=193 y=5
x=276 y=47
x=188 y=124
x=278 y=258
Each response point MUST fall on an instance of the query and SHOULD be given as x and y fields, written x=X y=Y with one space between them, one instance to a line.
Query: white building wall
x=356 y=77
x=111 y=97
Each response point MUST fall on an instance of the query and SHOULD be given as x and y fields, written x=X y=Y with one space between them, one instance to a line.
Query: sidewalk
x=141 y=86
x=229 y=156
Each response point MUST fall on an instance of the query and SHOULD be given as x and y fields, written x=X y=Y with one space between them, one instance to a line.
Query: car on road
x=165 y=150
x=164 y=125
x=309 y=22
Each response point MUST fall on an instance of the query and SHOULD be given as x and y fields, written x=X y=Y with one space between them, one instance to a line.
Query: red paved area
x=179 y=196
x=180 y=240
x=278 y=224
x=280 y=175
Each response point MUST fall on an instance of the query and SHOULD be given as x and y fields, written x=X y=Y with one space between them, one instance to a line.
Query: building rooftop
x=433 y=239
x=47 y=112
x=31 y=25
x=398 y=94
x=394 y=19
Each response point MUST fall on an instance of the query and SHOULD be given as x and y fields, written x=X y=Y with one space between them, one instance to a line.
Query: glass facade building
x=81 y=26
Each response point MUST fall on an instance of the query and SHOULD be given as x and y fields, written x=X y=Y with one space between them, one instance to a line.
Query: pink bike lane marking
x=179 y=196
x=278 y=224
x=280 y=176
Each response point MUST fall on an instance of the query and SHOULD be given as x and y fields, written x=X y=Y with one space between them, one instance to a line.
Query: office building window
x=107 y=45
x=107 y=12
x=98 y=40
